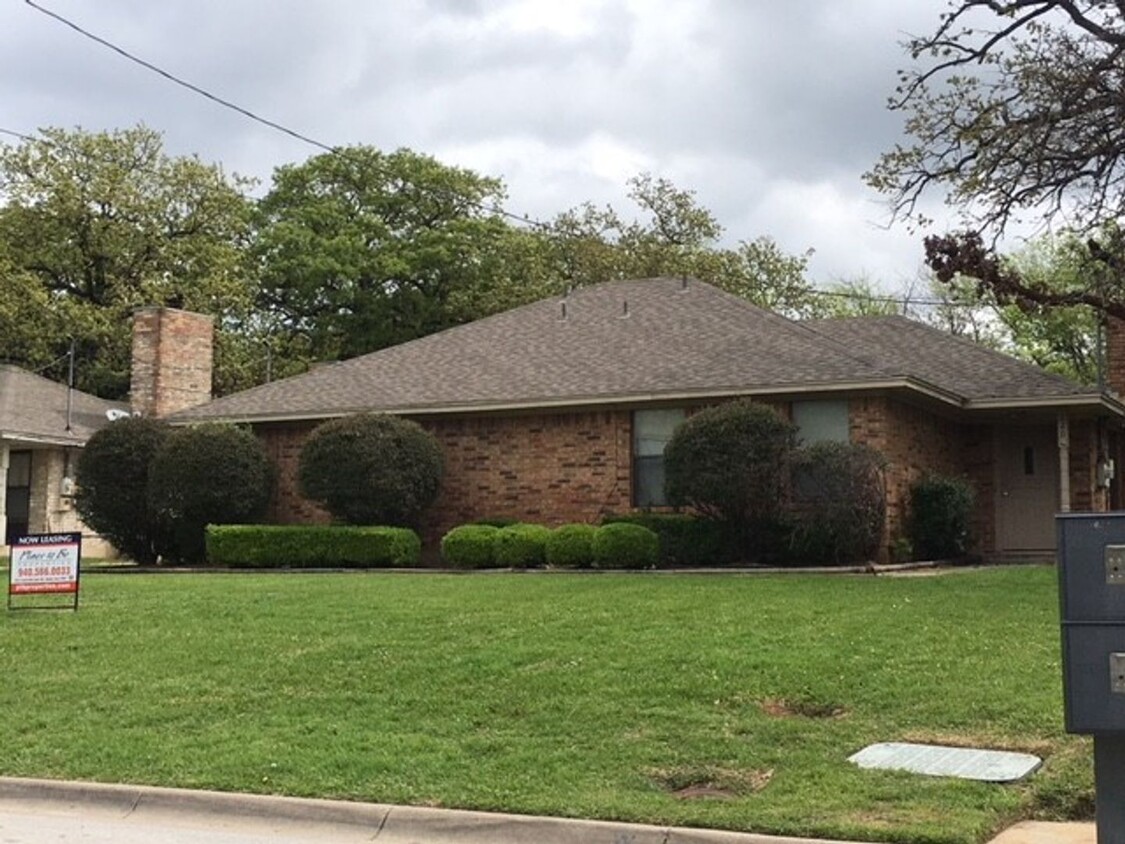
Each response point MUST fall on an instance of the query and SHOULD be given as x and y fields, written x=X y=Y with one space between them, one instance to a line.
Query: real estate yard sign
x=45 y=564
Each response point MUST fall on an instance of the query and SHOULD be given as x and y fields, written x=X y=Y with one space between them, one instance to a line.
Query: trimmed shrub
x=469 y=546
x=728 y=463
x=571 y=546
x=839 y=503
x=684 y=540
x=312 y=546
x=496 y=521
x=371 y=469
x=208 y=474
x=521 y=546
x=941 y=511
x=112 y=487
x=625 y=546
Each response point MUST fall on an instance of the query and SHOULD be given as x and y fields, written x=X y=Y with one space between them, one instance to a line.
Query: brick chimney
x=172 y=355
x=1115 y=355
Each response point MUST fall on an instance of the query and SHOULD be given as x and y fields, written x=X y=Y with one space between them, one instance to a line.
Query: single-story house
x=43 y=425
x=559 y=410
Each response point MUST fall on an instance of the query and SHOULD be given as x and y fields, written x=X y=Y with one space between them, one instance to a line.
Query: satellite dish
x=113 y=414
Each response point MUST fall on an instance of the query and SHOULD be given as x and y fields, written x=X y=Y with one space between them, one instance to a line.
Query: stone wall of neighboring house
x=50 y=511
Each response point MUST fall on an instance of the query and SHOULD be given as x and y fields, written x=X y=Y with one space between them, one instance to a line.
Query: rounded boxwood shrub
x=941 y=511
x=571 y=546
x=624 y=546
x=208 y=474
x=685 y=540
x=469 y=546
x=371 y=469
x=839 y=503
x=728 y=463
x=520 y=546
x=112 y=487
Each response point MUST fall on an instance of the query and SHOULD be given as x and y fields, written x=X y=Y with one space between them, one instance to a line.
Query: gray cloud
x=770 y=111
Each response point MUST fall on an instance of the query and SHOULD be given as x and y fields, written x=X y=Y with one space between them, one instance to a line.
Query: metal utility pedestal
x=1092 y=614
x=1109 y=785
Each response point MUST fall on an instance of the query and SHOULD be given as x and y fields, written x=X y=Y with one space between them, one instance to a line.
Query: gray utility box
x=1092 y=611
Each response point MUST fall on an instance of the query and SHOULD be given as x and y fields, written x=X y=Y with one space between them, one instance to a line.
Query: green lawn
x=593 y=696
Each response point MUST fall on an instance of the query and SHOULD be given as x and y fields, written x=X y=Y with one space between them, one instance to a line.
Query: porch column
x=3 y=495
x=1063 y=428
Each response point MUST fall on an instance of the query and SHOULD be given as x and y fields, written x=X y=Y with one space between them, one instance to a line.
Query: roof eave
x=70 y=441
x=614 y=399
x=1102 y=401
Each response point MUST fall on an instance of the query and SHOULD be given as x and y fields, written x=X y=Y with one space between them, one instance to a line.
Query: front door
x=1027 y=488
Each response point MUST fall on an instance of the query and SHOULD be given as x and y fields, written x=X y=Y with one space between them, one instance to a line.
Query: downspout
x=1063 y=429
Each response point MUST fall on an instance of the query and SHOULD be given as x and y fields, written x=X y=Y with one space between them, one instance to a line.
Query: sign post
x=45 y=564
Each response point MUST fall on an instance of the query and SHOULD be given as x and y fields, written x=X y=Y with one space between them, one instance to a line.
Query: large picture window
x=821 y=421
x=652 y=429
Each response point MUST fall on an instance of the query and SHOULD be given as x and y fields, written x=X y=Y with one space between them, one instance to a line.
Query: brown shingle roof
x=628 y=340
x=34 y=408
x=955 y=364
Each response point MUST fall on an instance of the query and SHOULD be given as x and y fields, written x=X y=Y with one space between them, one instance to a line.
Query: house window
x=652 y=429
x=821 y=421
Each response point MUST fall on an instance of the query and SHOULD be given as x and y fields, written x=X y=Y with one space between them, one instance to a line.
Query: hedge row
x=312 y=546
x=526 y=546
x=685 y=541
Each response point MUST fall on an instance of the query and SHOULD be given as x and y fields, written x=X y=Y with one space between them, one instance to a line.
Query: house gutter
x=187 y=418
x=1103 y=401
x=40 y=439
x=916 y=385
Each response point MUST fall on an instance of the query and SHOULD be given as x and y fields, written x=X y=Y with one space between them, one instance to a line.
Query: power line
x=245 y=112
x=16 y=134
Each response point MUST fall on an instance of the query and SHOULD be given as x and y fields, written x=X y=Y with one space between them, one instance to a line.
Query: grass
x=718 y=701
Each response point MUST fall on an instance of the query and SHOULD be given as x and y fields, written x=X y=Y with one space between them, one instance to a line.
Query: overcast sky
x=770 y=110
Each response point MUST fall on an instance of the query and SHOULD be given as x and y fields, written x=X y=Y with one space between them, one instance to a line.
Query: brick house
x=43 y=425
x=559 y=410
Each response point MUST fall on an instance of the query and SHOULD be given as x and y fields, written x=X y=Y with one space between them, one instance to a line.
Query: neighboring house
x=43 y=425
x=559 y=411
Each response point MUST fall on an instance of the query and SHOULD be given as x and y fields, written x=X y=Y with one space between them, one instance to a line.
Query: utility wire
x=16 y=134
x=245 y=112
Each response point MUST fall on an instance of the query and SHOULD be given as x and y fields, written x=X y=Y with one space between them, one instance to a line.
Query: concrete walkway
x=36 y=811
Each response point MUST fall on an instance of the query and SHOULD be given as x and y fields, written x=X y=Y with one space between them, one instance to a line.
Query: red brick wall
x=575 y=466
x=171 y=360
x=915 y=441
x=1115 y=355
x=547 y=468
x=283 y=443
x=1085 y=494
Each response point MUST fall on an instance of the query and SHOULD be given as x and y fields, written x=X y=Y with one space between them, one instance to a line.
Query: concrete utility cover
x=937 y=761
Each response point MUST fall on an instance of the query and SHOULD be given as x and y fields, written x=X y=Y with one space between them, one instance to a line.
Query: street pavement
x=48 y=811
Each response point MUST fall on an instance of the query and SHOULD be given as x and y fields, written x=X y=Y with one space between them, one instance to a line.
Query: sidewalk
x=32 y=811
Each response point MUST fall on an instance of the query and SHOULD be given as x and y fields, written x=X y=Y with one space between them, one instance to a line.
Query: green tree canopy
x=674 y=236
x=360 y=250
x=95 y=225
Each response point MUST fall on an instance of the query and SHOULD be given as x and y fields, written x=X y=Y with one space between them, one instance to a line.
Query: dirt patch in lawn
x=710 y=783
x=777 y=707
